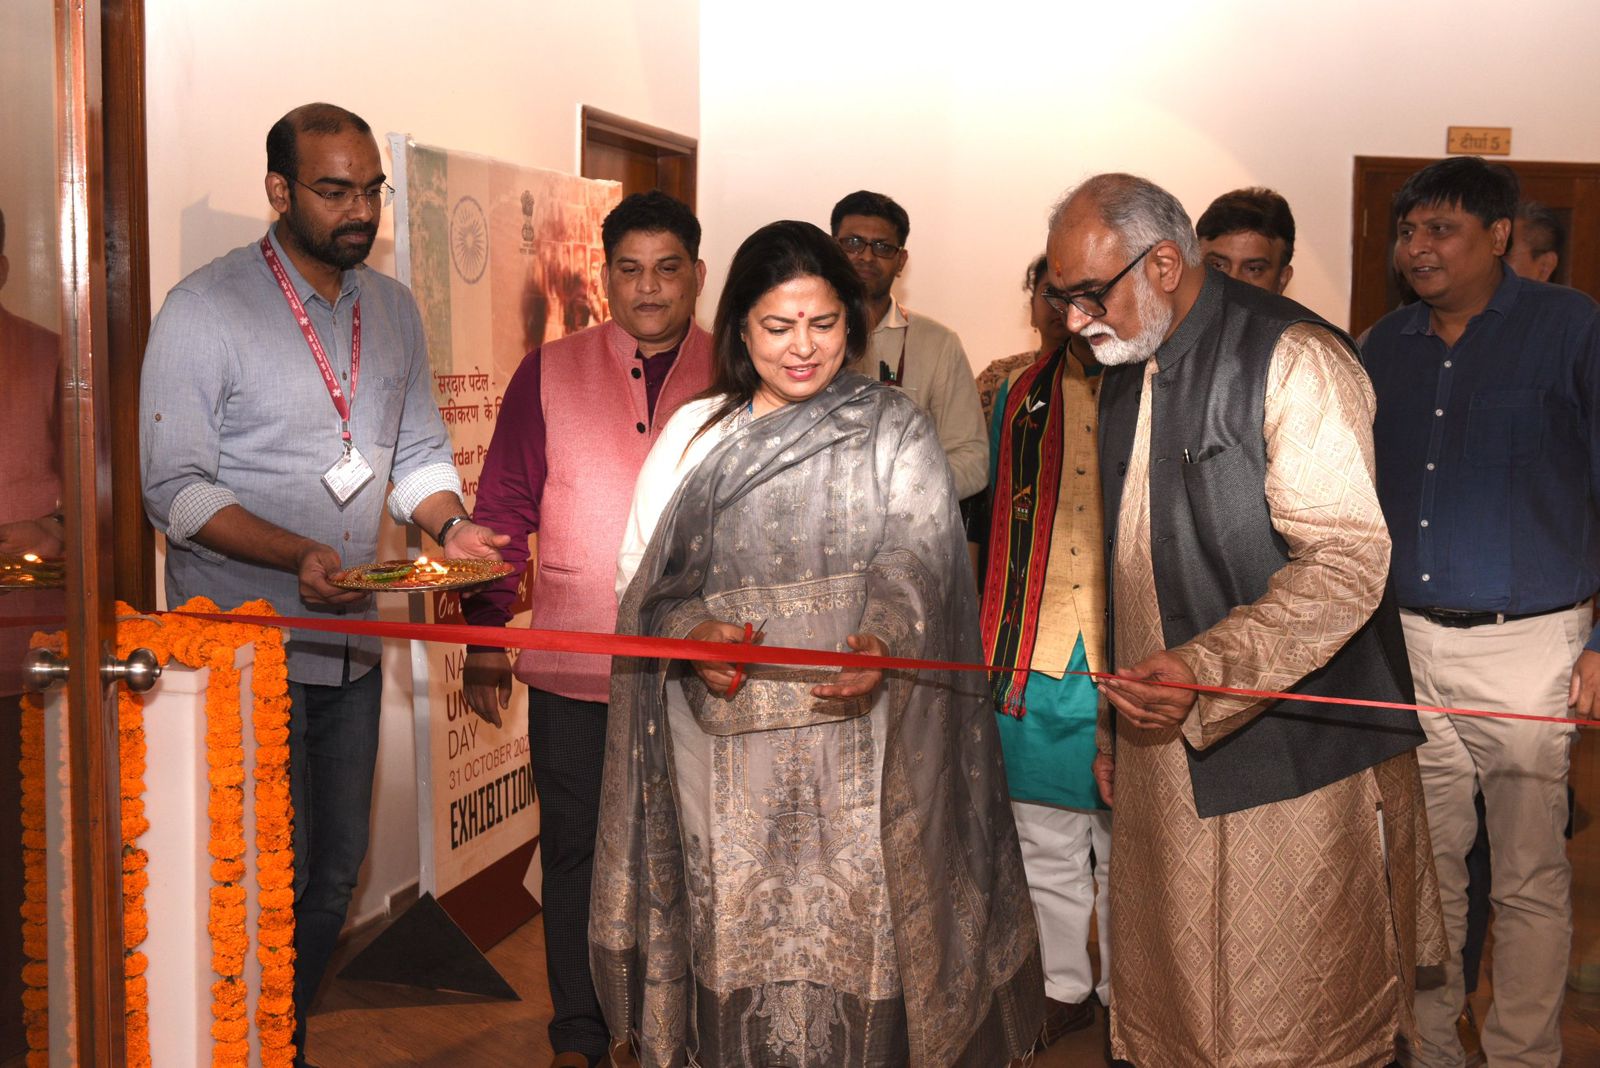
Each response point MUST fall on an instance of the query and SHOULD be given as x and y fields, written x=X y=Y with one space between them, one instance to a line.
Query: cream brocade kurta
x=1284 y=934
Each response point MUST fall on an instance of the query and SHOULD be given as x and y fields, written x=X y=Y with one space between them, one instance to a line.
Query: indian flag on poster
x=501 y=258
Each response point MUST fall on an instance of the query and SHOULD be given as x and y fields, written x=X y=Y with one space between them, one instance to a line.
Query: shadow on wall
x=204 y=233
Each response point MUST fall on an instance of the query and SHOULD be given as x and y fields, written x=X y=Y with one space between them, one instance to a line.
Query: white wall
x=504 y=78
x=28 y=162
x=977 y=122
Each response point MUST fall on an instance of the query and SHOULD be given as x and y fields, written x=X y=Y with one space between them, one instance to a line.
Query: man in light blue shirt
x=285 y=395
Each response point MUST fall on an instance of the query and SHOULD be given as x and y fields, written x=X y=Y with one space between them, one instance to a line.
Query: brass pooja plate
x=421 y=574
x=30 y=572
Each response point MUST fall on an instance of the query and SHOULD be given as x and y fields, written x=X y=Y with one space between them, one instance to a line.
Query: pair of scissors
x=753 y=633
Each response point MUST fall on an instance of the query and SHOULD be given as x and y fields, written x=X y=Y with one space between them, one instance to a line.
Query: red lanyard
x=341 y=399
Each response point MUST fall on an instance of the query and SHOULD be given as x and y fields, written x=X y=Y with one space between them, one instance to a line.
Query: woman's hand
x=716 y=674
x=853 y=682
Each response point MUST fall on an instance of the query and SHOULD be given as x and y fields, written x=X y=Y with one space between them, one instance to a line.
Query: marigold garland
x=201 y=644
x=35 y=906
x=198 y=645
x=35 y=947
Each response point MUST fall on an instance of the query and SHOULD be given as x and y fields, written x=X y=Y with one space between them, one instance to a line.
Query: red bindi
x=801 y=314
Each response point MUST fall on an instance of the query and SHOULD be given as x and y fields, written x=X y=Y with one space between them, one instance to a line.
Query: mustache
x=367 y=229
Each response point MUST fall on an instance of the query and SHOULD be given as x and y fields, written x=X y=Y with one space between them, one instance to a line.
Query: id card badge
x=345 y=478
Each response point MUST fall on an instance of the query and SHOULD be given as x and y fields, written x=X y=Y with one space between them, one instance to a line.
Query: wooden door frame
x=603 y=127
x=127 y=201
x=104 y=295
x=95 y=788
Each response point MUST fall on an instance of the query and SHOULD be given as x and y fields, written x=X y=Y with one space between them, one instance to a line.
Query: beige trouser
x=1521 y=666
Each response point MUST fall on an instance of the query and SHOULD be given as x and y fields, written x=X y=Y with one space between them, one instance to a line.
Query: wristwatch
x=448 y=523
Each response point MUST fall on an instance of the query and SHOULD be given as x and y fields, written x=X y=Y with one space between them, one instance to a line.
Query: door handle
x=138 y=673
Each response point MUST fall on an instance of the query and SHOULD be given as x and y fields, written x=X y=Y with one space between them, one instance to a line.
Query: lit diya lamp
x=30 y=569
x=424 y=568
x=420 y=574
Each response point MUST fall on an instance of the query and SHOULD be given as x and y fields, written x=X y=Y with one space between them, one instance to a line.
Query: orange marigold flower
x=230 y=1030
x=277 y=1006
x=224 y=961
x=228 y=992
x=275 y=754
x=227 y=871
x=276 y=936
x=228 y=896
x=276 y=899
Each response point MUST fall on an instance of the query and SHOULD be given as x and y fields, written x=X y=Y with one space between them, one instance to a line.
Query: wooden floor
x=363 y=1025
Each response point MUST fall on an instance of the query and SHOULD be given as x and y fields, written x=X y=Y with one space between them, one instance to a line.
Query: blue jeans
x=333 y=753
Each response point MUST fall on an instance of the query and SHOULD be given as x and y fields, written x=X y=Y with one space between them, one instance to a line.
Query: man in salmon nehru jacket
x=579 y=417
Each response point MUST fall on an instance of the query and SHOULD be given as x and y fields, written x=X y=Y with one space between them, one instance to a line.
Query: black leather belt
x=1453 y=617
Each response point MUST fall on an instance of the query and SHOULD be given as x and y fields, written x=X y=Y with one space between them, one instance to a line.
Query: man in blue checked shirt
x=284 y=401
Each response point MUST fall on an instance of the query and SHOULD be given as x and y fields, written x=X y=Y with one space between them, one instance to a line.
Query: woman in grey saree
x=820 y=869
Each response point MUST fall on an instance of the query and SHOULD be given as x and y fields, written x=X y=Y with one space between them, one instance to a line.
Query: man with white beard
x=1274 y=888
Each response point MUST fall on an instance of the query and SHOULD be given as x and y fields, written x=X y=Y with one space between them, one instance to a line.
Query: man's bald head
x=283 y=140
x=1136 y=210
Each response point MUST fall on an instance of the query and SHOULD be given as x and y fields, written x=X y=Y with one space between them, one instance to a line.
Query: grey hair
x=1137 y=210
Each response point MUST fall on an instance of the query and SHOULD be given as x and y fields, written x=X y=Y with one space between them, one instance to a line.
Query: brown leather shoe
x=1060 y=1018
x=1471 y=1044
x=569 y=1060
x=621 y=1055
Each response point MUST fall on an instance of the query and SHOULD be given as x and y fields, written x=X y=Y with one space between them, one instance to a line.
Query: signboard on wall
x=500 y=258
x=1478 y=141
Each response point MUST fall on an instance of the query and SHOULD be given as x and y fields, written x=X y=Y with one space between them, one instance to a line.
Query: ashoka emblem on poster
x=469 y=240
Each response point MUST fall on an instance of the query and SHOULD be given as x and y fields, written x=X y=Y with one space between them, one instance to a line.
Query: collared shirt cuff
x=418 y=486
x=191 y=510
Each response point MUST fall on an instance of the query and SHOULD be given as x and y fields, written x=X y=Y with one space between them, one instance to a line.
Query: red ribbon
x=573 y=641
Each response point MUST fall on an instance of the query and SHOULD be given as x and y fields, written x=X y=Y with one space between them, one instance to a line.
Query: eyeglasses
x=884 y=250
x=1091 y=302
x=346 y=199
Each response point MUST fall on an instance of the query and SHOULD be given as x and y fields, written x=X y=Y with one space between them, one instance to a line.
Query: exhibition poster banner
x=501 y=258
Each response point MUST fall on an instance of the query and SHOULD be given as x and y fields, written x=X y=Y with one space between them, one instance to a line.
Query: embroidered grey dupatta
x=865 y=498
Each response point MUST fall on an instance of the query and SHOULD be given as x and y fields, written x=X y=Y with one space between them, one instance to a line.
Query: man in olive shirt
x=910 y=350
